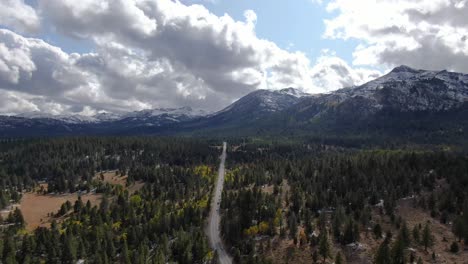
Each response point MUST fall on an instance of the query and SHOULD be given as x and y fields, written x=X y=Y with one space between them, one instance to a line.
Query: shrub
x=454 y=247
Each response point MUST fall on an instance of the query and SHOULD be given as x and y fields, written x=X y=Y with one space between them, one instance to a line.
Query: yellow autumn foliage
x=251 y=231
x=261 y=228
x=116 y=225
x=204 y=171
x=278 y=217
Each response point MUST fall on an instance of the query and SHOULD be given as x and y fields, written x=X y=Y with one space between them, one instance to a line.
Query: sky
x=90 y=56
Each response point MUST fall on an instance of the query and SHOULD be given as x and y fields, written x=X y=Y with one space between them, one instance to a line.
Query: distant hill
x=405 y=103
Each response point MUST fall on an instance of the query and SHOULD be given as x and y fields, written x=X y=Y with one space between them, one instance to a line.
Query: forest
x=297 y=201
x=162 y=222
x=303 y=203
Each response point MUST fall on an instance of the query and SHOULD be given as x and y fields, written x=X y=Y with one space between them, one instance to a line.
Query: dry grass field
x=111 y=177
x=37 y=207
x=284 y=251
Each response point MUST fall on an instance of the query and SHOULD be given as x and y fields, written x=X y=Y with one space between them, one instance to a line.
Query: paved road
x=213 y=231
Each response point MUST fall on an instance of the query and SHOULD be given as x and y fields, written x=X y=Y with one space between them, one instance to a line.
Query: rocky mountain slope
x=404 y=101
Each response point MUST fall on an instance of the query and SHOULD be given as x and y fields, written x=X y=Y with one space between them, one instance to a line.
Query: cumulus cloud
x=19 y=16
x=154 y=53
x=33 y=66
x=13 y=103
x=428 y=34
x=332 y=72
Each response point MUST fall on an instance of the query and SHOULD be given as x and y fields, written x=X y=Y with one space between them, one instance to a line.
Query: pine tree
x=324 y=246
x=292 y=225
x=338 y=258
x=398 y=251
x=458 y=228
x=405 y=235
x=125 y=253
x=383 y=254
x=416 y=235
x=427 y=238
x=377 y=231
x=315 y=256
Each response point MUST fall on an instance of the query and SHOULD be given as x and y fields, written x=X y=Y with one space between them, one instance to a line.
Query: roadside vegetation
x=150 y=200
x=146 y=200
x=306 y=203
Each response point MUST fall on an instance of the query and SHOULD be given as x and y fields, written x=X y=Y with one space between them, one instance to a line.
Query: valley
x=186 y=200
x=369 y=174
x=233 y=132
x=406 y=105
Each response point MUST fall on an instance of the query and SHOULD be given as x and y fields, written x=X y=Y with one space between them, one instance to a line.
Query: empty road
x=213 y=231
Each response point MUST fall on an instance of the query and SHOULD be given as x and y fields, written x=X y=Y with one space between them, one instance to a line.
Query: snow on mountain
x=262 y=101
x=409 y=89
x=173 y=112
x=71 y=119
x=106 y=117
x=294 y=92
x=169 y=114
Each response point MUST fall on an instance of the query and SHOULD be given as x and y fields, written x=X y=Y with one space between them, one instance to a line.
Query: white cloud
x=13 y=103
x=19 y=16
x=213 y=56
x=33 y=66
x=155 y=53
x=332 y=72
x=429 y=34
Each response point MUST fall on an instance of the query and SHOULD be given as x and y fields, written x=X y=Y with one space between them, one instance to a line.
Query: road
x=214 y=234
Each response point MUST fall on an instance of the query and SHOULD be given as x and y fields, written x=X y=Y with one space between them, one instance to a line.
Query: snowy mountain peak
x=408 y=89
x=175 y=112
x=404 y=68
x=72 y=119
x=294 y=92
x=263 y=101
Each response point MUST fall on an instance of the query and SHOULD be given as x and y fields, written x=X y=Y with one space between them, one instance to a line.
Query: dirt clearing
x=37 y=208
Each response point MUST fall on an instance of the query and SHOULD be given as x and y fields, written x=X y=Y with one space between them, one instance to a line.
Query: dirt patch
x=36 y=207
x=111 y=177
x=284 y=251
x=415 y=216
x=135 y=187
x=268 y=189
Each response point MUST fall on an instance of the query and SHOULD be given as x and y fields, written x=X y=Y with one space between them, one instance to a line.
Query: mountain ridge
x=403 y=97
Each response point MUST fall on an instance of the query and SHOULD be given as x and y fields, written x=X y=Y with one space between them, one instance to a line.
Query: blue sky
x=293 y=25
x=297 y=22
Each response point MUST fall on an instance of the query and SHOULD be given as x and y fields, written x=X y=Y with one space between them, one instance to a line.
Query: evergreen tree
x=416 y=234
x=398 y=251
x=377 y=231
x=338 y=258
x=324 y=246
x=427 y=239
x=383 y=254
x=405 y=235
x=125 y=253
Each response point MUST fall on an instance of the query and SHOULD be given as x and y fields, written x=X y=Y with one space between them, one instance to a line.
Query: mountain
x=247 y=112
x=403 y=90
x=258 y=104
x=405 y=103
x=155 y=117
x=69 y=119
x=160 y=116
x=39 y=124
